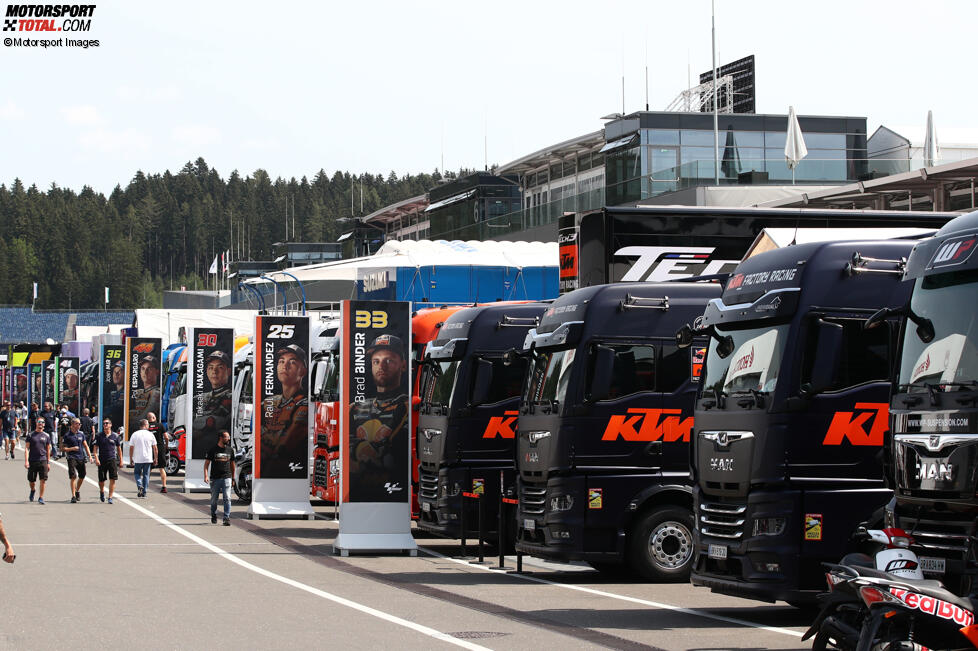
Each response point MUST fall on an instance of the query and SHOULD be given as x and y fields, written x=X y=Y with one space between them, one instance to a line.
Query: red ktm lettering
x=671 y=427
x=501 y=426
x=844 y=426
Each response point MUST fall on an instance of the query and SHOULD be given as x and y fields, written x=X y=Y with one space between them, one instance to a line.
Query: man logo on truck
x=501 y=426
x=850 y=425
x=672 y=262
x=671 y=427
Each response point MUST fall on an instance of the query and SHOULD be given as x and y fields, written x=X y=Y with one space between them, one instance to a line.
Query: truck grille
x=320 y=471
x=533 y=500
x=722 y=520
x=941 y=534
x=428 y=486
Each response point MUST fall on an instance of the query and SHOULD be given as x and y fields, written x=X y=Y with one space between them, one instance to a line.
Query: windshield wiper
x=718 y=400
x=756 y=398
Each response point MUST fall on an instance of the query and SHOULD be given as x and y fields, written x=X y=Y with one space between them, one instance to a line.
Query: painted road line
x=424 y=630
x=611 y=595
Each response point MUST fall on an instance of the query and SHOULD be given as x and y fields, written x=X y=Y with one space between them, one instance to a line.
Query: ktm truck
x=786 y=459
x=467 y=425
x=604 y=426
x=934 y=407
x=326 y=455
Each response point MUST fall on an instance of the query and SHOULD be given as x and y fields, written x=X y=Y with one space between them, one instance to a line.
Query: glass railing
x=809 y=171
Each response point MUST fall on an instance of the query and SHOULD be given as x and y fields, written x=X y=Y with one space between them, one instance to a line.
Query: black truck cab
x=934 y=407
x=604 y=426
x=467 y=423
x=792 y=413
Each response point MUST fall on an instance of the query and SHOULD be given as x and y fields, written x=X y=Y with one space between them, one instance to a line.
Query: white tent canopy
x=424 y=253
x=166 y=324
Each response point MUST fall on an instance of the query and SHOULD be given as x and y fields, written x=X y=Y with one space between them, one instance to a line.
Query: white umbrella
x=794 y=144
x=930 y=142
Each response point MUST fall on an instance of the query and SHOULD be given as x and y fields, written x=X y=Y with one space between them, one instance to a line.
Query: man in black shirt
x=75 y=444
x=108 y=456
x=49 y=417
x=162 y=446
x=8 y=419
x=220 y=462
x=38 y=459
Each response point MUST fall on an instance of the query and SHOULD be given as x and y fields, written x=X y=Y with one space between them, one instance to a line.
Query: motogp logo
x=953 y=252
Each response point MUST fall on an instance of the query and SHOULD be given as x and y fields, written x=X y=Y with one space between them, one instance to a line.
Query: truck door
x=624 y=429
x=677 y=381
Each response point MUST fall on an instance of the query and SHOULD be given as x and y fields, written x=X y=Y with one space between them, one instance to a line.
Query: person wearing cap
x=117 y=394
x=146 y=399
x=284 y=436
x=214 y=411
x=380 y=424
x=71 y=389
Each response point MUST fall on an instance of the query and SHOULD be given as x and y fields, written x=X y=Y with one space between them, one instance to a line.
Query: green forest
x=162 y=231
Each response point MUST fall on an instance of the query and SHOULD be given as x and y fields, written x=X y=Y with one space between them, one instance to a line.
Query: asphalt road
x=155 y=573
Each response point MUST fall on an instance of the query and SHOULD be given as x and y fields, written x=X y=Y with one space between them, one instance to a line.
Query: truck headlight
x=768 y=526
x=561 y=503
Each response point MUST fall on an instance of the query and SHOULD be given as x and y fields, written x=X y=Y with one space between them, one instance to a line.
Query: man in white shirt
x=142 y=453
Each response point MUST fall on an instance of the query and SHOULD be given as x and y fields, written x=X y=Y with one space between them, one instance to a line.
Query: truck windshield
x=550 y=376
x=950 y=359
x=439 y=382
x=754 y=365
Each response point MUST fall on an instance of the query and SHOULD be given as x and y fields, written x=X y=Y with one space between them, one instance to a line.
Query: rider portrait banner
x=112 y=384
x=68 y=383
x=281 y=397
x=47 y=382
x=376 y=430
x=34 y=384
x=144 y=383
x=20 y=385
x=209 y=388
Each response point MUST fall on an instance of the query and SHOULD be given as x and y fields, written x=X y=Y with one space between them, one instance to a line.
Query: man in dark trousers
x=75 y=445
x=162 y=446
x=220 y=462
x=49 y=417
x=8 y=419
x=38 y=459
x=108 y=456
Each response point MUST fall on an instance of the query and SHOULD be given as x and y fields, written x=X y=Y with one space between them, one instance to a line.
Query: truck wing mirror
x=828 y=355
x=415 y=402
x=604 y=365
x=482 y=382
x=684 y=336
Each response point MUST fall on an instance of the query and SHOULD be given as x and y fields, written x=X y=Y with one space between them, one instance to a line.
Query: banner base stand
x=195 y=486
x=374 y=543
x=281 y=510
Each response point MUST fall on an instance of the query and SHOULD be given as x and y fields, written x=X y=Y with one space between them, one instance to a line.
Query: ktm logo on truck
x=501 y=426
x=143 y=348
x=865 y=425
x=645 y=425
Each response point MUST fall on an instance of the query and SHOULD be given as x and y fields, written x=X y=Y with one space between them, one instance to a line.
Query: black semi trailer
x=792 y=413
x=604 y=427
x=658 y=243
x=469 y=403
x=934 y=407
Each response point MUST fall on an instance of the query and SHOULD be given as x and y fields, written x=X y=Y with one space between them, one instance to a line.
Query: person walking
x=8 y=549
x=22 y=413
x=8 y=421
x=142 y=454
x=49 y=417
x=108 y=456
x=162 y=446
x=88 y=428
x=75 y=444
x=38 y=460
x=220 y=462
x=33 y=415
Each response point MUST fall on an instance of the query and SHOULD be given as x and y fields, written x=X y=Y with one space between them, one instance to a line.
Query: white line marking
x=611 y=595
x=20 y=544
x=430 y=632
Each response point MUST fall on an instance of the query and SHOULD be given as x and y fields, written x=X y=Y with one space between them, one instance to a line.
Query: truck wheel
x=242 y=487
x=172 y=464
x=661 y=546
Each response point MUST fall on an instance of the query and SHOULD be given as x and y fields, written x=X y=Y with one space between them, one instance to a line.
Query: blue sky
x=293 y=87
